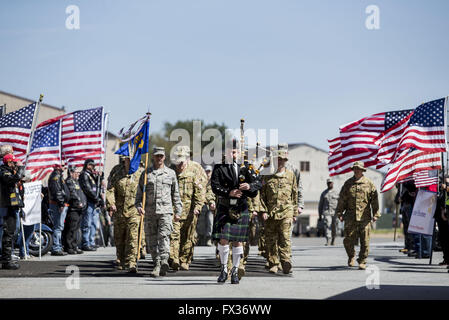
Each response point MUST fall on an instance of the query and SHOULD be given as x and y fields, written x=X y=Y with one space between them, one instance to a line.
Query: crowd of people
x=72 y=203
x=168 y=210
x=420 y=246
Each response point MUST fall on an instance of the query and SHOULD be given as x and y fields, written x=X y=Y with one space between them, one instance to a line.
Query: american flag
x=45 y=150
x=339 y=164
x=423 y=131
x=425 y=178
x=407 y=163
x=83 y=136
x=357 y=140
x=15 y=129
x=360 y=136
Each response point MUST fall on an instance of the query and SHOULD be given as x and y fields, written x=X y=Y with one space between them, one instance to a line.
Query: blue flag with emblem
x=138 y=144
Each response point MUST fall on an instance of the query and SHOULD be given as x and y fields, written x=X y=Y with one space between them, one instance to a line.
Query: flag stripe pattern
x=424 y=131
x=15 y=129
x=425 y=178
x=83 y=136
x=45 y=150
x=409 y=162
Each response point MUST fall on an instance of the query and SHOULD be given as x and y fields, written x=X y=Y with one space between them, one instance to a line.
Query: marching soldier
x=192 y=182
x=162 y=198
x=232 y=184
x=358 y=205
x=120 y=199
x=77 y=203
x=279 y=196
x=326 y=209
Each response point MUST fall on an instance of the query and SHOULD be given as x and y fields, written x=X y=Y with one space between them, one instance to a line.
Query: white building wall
x=314 y=181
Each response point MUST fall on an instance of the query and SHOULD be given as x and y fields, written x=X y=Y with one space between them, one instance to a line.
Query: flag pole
x=139 y=238
x=33 y=127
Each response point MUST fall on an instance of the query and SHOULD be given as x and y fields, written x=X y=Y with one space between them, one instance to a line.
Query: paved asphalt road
x=319 y=272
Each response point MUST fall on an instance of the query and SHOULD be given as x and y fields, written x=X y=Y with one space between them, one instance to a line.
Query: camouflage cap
x=358 y=164
x=182 y=151
x=281 y=154
x=158 y=151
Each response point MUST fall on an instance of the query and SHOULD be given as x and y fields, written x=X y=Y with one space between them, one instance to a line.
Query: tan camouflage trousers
x=278 y=240
x=126 y=232
x=158 y=228
x=183 y=239
x=353 y=231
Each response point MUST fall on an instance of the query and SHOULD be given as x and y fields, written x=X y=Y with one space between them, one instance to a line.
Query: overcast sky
x=303 y=67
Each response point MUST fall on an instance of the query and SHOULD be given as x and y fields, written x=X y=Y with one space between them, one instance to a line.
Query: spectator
x=11 y=172
x=59 y=202
x=441 y=217
x=90 y=219
x=407 y=199
x=27 y=229
x=77 y=204
x=4 y=150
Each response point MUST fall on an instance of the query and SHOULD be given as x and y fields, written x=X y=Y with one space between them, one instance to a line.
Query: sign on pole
x=422 y=220
x=32 y=201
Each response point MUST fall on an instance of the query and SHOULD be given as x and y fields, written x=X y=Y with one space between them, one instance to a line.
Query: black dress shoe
x=10 y=265
x=89 y=249
x=234 y=276
x=223 y=275
x=71 y=251
x=58 y=253
x=78 y=251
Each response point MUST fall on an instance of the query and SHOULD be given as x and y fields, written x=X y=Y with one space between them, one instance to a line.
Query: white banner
x=422 y=220
x=32 y=200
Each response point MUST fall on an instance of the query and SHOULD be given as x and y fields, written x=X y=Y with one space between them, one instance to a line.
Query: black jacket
x=223 y=180
x=12 y=189
x=57 y=189
x=77 y=198
x=88 y=183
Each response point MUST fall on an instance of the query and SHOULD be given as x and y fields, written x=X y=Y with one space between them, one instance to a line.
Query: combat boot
x=209 y=243
x=132 y=269
x=267 y=265
x=333 y=242
x=156 y=269
x=273 y=269
x=362 y=266
x=351 y=262
x=234 y=276
x=240 y=272
x=164 y=268
x=175 y=265
x=223 y=274
x=184 y=266
x=286 y=267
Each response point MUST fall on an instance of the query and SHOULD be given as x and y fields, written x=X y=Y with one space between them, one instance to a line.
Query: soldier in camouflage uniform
x=192 y=182
x=162 y=198
x=326 y=211
x=358 y=205
x=120 y=198
x=279 y=198
x=116 y=169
